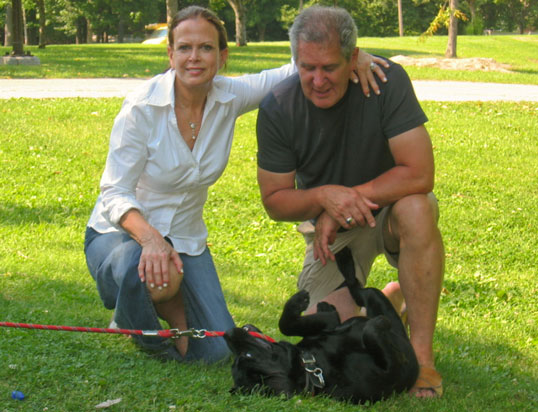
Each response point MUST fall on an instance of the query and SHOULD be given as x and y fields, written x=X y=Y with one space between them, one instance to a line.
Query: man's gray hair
x=319 y=24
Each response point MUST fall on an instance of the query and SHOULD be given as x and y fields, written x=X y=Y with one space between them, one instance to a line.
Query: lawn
x=137 y=60
x=52 y=153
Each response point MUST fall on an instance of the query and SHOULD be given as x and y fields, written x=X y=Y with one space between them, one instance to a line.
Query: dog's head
x=260 y=366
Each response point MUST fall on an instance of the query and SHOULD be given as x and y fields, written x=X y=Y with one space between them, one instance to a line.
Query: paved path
x=425 y=89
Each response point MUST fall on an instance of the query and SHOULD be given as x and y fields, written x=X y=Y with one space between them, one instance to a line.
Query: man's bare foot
x=429 y=384
x=393 y=292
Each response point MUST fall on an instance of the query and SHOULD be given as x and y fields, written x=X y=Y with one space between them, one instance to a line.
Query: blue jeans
x=112 y=260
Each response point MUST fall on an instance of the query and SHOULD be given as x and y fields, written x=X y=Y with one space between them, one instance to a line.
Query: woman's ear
x=223 y=58
x=170 y=52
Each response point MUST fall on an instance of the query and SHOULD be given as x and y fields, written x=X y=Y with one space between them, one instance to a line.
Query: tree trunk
x=24 y=27
x=261 y=31
x=17 y=28
x=472 y=9
x=121 y=29
x=89 y=31
x=8 y=27
x=400 y=19
x=171 y=10
x=42 y=23
x=81 y=35
x=452 y=31
x=240 y=22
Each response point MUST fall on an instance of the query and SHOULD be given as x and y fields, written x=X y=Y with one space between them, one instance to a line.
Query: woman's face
x=195 y=54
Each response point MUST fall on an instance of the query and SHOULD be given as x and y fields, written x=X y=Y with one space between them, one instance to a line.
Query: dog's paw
x=325 y=307
x=298 y=302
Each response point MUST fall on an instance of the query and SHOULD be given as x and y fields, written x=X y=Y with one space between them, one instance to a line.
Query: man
x=359 y=172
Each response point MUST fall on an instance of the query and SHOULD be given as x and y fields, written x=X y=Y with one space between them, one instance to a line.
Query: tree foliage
x=69 y=21
x=442 y=20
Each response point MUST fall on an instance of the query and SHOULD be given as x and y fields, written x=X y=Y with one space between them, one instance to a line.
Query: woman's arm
x=252 y=88
x=156 y=251
x=126 y=160
x=366 y=66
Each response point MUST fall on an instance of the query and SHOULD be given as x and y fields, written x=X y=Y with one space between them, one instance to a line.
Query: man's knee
x=415 y=209
x=414 y=217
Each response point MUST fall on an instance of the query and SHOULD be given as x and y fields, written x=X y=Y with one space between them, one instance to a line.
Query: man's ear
x=355 y=53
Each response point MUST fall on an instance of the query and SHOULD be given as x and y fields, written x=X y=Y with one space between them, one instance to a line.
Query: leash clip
x=314 y=374
x=318 y=373
x=190 y=333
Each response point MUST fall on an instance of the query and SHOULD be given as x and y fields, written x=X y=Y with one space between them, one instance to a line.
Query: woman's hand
x=156 y=256
x=365 y=67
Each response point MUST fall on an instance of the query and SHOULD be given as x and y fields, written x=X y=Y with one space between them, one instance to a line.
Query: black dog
x=363 y=359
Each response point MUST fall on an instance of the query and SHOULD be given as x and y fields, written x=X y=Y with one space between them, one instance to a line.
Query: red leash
x=164 y=333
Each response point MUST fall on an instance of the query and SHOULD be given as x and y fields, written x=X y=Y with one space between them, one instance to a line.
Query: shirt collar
x=163 y=92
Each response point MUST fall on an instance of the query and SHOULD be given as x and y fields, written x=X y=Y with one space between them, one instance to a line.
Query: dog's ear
x=240 y=341
x=251 y=328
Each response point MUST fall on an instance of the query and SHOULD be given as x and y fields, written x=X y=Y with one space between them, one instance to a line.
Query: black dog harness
x=314 y=374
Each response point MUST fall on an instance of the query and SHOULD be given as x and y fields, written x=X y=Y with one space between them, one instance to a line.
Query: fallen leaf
x=107 y=403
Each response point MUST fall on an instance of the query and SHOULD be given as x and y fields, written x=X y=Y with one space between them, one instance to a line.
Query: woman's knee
x=166 y=293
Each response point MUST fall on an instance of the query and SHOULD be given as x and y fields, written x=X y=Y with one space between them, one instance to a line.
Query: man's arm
x=413 y=171
x=283 y=201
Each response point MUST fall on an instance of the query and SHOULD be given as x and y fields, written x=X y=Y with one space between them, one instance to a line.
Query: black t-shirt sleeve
x=275 y=147
x=401 y=110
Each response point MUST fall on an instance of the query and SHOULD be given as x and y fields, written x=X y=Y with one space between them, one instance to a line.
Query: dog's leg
x=375 y=302
x=293 y=324
x=346 y=265
x=391 y=353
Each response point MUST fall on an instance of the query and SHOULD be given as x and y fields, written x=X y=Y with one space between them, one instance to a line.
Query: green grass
x=52 y=153
x=137 y=60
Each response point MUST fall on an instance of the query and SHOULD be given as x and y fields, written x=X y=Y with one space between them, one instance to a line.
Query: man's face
x=323 y=71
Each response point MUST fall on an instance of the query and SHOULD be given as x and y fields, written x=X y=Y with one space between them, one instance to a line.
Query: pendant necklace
x=193 y=129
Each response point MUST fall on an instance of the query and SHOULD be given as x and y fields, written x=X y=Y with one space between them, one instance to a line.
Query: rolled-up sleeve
x=252 y=88
x=126 y=159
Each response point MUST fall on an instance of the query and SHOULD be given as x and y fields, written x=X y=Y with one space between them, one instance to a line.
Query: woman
x=169 y=143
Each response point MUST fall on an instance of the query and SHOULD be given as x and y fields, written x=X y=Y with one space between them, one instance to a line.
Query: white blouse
x=151 y=168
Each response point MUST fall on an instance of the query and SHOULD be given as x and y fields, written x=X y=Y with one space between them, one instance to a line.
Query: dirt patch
x=475 y=63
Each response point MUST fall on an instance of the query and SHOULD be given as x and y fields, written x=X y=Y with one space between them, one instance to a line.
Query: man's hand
x=347 y=206
x=325 y=235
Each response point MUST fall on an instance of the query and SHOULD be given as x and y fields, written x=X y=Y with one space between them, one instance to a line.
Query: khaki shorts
x=365 y=243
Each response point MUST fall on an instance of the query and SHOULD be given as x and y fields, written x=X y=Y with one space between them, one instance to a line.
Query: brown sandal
x=428 y=380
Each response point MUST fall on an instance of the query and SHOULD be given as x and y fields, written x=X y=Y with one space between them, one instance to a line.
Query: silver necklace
x=193 y=129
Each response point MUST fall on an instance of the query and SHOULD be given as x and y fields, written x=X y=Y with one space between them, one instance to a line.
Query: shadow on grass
x=478 y=373
x=396 y=52
x=525 y=71
x=15 y=214
x=490 y=374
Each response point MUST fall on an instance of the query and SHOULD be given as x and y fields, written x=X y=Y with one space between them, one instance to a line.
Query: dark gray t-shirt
x=346 y=144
